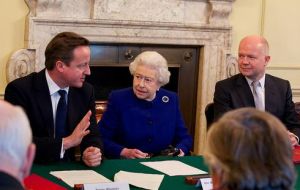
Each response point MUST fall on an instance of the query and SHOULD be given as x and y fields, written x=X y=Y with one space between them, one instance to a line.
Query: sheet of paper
x=72 y=177
x=173 y=168
x=146 y=181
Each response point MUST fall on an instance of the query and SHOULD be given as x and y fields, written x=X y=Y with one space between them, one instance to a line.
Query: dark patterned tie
x=61 y=115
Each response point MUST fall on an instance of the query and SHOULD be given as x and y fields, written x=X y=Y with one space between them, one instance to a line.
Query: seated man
x=254 y=88
x=248 y=149
x=59 y=104
x=16 y=147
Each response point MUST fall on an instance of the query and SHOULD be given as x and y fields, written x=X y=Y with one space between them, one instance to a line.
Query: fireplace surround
x=201 y=23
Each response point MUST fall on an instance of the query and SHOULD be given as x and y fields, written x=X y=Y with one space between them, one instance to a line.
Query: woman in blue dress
x=144 y=119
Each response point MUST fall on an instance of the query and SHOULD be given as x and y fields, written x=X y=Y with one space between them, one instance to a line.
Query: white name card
x=107 y=186
x=206 y=183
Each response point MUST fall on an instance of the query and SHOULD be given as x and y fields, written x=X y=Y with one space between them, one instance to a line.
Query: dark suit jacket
x=235 y=92
x=32 y=93
x=8 y=182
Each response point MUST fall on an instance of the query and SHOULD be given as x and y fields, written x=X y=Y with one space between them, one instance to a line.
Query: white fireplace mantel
x=186 y=22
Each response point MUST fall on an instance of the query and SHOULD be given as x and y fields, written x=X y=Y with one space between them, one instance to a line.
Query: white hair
x=15 y=135
x=154 y=60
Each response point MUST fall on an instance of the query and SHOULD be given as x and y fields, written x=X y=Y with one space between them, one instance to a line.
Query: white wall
x=279 y=22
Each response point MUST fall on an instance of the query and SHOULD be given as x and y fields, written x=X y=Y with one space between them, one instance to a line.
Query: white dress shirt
x=53 y=89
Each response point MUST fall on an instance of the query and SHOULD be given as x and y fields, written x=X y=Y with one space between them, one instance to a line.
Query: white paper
x=146 y=181
x=206 y=183
x=105 y=186
x=173 y=168
x=72 y=177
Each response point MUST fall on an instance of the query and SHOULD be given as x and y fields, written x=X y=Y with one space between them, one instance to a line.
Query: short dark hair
x=61 y=48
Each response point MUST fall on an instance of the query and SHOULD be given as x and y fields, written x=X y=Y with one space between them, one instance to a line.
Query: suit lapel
x=73 y=109
x=43 y=100
x=244 y=93
x=270 y=95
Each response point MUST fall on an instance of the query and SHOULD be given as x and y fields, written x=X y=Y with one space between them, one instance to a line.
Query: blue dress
x=149 y=126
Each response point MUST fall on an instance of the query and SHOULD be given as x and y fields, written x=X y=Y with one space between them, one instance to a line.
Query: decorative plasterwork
x=20 y=64
x=203 y=23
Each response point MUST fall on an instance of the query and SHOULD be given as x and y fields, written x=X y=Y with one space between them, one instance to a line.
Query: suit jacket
x=8 y=182
x=150 y=126
x=235 y=92
x=32 y=93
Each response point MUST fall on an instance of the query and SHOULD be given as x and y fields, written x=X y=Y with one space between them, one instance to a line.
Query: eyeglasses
x=147 y=80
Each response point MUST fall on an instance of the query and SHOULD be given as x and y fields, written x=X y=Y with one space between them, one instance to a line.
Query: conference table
x=108 y=168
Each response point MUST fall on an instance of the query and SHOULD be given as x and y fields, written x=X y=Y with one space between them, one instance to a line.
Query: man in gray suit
x=252 y=87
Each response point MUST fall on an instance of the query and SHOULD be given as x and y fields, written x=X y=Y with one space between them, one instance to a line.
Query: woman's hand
x=133 y=153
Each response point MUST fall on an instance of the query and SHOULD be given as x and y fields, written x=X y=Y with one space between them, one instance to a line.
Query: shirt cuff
x=295 y=137
x=62 y=150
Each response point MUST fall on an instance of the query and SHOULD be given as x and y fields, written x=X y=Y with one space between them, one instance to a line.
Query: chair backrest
x=100 y=109
x=297 y=108
x=209 y=114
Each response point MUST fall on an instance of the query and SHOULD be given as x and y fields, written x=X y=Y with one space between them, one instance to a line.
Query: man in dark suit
x=17 y=149
x=61 y=122
x=271 y=94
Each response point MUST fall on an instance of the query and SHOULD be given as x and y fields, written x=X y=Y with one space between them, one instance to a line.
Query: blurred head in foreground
x=16 y=148
x=248 y=149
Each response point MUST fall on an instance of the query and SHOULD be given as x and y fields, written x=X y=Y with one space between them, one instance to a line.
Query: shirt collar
x=53 y=87
x=261 y=81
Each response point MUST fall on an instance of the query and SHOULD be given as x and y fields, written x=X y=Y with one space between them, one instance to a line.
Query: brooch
x=165 y=99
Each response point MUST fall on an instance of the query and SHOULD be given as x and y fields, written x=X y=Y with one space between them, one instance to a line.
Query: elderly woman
x=248 y=149
x=144 y=119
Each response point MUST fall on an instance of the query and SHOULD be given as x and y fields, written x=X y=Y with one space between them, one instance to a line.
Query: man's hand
x=79 y=132
x=92 y=156
x=133 y=153
x=293 y=138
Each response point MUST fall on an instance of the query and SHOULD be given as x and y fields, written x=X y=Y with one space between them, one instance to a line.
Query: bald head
x=258 y=41
x=253 y=57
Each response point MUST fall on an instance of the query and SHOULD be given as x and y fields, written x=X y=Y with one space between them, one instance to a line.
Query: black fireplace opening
x=106 y=79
